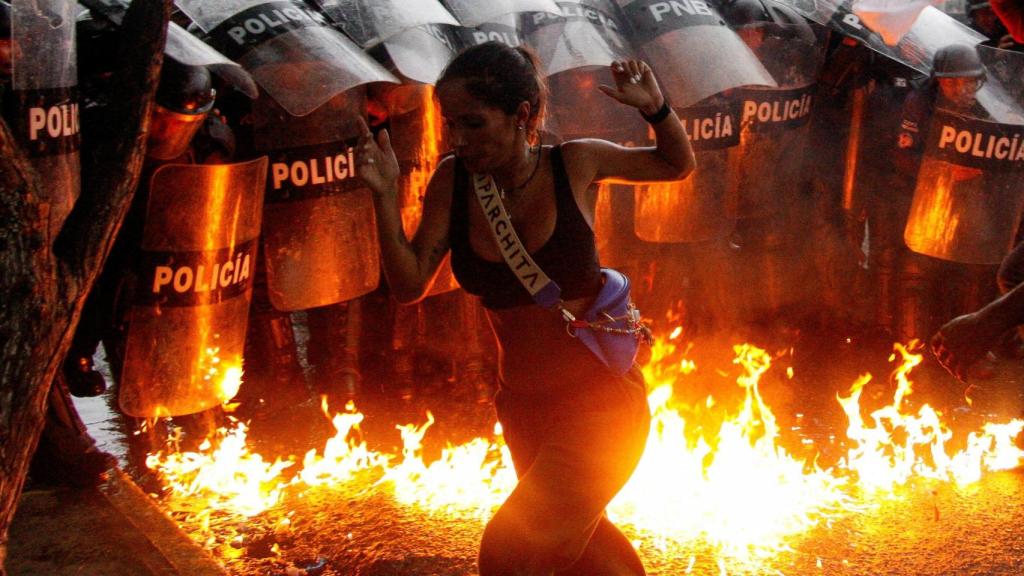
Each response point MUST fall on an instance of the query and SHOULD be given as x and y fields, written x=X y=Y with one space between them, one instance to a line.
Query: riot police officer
x=924 y=288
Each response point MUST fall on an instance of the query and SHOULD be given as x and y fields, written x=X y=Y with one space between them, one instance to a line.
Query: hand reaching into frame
x=963 y=341
x=376 y=163
x=635 y=85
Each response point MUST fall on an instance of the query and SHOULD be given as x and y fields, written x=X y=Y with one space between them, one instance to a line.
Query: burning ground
x=757 y=463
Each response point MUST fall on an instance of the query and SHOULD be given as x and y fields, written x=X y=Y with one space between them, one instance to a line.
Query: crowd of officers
x=869 y=279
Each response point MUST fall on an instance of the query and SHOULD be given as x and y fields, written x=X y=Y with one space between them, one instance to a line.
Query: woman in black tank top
x=575 y=429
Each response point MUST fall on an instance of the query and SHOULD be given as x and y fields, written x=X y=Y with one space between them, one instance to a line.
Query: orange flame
x=882 y=462
x=708 y=471
x=423 y=164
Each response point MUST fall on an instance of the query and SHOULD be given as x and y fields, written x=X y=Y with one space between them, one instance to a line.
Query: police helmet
x=957 y=61
x=183 y=88
x=740 y=13
x=743 y=12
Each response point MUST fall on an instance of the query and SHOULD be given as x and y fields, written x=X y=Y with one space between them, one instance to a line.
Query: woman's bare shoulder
x=584 y=153
x=583 y=148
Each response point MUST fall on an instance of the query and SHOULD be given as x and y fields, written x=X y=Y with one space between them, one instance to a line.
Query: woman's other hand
x=376 y=163
x=635 y=85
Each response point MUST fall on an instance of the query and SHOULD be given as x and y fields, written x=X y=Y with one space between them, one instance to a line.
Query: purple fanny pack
x=611 y=327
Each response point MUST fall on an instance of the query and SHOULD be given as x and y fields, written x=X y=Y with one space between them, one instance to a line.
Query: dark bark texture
x=42 y=290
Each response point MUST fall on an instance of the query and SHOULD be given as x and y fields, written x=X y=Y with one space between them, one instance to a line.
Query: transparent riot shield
x=289 y=48
x=417 y=137
x=931 y=30
x=586 y=33
x=690 y=48
x=774 y=122
x=473 y=13
x=504 y=29
x=577 y=109
x=694 y=209
x=421 y=53
x=370 y=22
x=319 y=228
x=970 y=187
x=186 y=330
x=42 y=109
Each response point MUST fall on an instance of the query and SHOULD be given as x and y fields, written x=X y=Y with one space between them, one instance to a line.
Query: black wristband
x=658 y=116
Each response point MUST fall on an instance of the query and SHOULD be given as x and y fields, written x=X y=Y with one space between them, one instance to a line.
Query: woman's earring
x=520 y=127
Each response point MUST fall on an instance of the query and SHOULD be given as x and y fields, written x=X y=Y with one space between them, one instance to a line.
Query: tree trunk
x=42 y=291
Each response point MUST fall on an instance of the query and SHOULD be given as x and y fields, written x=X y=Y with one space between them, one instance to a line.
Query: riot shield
x=418 y=139
x=690 y=48
x=186 y=330
x=970 y=187
x=421 y=53
x=319 y=229
x=473 y=13
x=577 y=109
x=774 y=122
x=42 y=109
x=370 y=22
x=289 y=49
x=586 y=33
x=504 y=28
x=414 y=38
x=1001 y=93
x=931 y=30
x=694 y=209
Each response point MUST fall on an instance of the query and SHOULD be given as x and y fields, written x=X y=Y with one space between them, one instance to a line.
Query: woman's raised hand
x=635 y=86
x=376 y=163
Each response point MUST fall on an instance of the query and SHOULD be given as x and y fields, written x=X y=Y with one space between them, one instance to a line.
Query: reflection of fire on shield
x=690 y=48
x=693 y=210
x=417 y=138
x=969 y=195
x=42 y=109
x=774 y=121
x=319 y=231
x=186 y=330
x=287 y=47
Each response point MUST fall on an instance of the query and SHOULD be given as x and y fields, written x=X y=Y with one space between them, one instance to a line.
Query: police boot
x=883 y=263
x=273 y=376
x=333 y=349
x=914 y=302
x=403 y=375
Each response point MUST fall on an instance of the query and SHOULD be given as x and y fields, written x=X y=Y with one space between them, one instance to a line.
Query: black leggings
x=572 y=455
